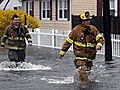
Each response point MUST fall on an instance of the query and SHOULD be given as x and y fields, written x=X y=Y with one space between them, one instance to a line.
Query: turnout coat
x=15 y=37
x=84 y=42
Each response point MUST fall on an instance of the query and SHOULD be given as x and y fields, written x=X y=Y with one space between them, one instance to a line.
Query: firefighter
x=86 y=40
x=14 y=39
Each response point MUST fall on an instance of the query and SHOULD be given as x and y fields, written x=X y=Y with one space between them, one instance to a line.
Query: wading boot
x=83 y=75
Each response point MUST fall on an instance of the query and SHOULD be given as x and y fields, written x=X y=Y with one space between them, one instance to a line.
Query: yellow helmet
x=85 y=16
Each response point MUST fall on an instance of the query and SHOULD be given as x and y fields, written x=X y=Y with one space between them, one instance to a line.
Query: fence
x=54 y=38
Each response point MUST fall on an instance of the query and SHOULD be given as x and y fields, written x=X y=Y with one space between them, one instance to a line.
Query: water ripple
x=7 y=66
x=59 y=80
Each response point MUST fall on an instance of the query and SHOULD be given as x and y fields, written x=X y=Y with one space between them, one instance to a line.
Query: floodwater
x=44 y=71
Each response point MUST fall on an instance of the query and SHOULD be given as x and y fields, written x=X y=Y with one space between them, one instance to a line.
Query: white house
x=13 y=4
x=58 y=13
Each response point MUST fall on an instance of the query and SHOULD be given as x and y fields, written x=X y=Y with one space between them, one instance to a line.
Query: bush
x=6 y=19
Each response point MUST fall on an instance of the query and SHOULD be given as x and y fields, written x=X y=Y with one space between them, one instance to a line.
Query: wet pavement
x=44 y=71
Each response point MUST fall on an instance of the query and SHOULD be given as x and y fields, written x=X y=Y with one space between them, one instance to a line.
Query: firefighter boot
x=83 y=75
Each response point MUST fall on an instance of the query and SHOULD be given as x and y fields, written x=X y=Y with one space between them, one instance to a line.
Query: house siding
x=36 y=9
x=76 y=7
x=60 y=25
x=24 y=6
x=79 y=6
x=56 y=24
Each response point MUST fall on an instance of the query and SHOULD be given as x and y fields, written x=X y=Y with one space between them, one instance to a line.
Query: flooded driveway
x=44 y=71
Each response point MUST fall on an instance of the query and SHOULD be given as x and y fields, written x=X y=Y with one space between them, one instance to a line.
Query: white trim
x=29 y=7
x=114 y=6
x=62 y=8
x=45 y=8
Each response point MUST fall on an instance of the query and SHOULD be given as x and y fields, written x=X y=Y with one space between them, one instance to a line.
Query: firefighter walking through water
x=86 y=40
x=15 y=35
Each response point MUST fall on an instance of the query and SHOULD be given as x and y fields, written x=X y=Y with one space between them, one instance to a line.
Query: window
x=30 y=8
x=112 y=12
x=63 y=10
x=20 y=0
x=112 y=3
x=45 y=9
x=112 y=7
x=19 y=8
x=15 y=8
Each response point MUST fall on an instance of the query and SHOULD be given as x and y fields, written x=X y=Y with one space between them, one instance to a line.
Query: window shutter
x=68 y=10
x=99 y=7
x=118 y=8
x=56 y=10
x=27 y=7
x=32 y=8
x=40 y=10
x=50 y=9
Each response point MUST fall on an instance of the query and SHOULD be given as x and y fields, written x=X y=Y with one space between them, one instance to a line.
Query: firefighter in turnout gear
x=86 y=40
x=14 y=39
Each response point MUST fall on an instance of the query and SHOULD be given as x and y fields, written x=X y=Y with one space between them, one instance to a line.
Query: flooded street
x=44 y=71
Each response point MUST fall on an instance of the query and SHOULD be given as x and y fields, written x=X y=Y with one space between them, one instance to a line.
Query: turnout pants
x=16 y=55
x=83 y=66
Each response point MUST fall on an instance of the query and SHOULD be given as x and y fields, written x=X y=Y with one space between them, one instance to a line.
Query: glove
x=2 y=47
x=98 y=47
x=30 y=44
x=60 y=56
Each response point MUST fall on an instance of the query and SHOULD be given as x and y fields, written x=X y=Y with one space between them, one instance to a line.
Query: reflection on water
x=58 y=80
x=24 y=74
x=20 y=71
x=18 y=66
x=42 y=71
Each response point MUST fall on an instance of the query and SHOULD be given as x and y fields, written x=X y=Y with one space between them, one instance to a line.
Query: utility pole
x=107 y=30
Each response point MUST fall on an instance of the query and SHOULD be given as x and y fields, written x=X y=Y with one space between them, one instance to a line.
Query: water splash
x=59 y=80
x=98 y=70
x=7 y=66
x=95 y=72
